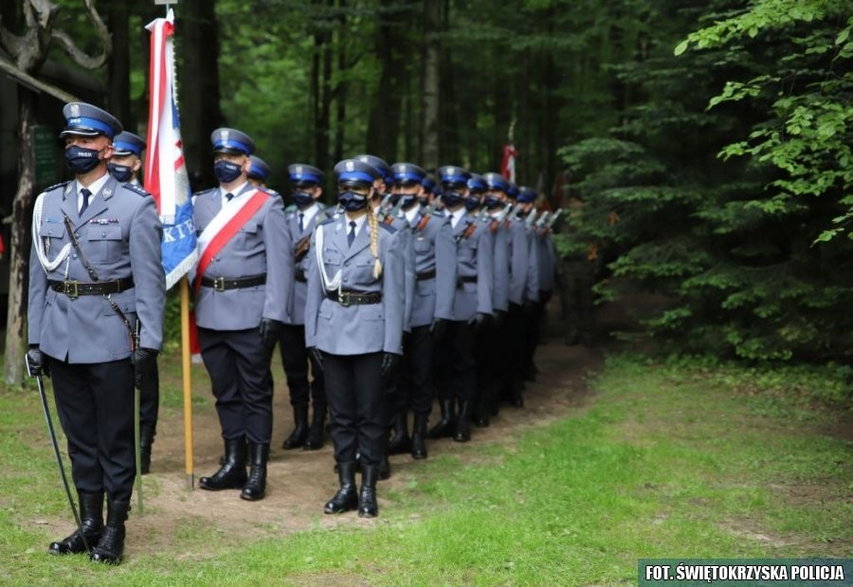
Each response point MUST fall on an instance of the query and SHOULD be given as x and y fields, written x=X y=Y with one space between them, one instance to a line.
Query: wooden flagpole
x=187 y=381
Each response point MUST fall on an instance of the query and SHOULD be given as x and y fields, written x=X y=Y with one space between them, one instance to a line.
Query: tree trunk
x=197 y=41
x=341 y=91
x=430 y=90
x=118 y=101
x=321 y=124
x=22 y=213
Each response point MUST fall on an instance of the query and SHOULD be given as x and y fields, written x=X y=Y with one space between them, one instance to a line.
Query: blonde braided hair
x=374 y=241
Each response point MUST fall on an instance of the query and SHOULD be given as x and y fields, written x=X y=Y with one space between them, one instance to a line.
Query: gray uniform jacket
x=120 y=236
x=474 y=266
x=301 y=267
x=435 y=251
x=519 y=260
x=357 y=328
x=262 y=246
x=531 y=281
x=500 y=272
x=403 y=233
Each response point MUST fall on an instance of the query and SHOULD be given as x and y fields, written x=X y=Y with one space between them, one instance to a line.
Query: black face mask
x=352 y=201
x=302 y=199
x=394 y=199
x=121 y=172
x=491 y=202
x=451 y=199
x=424 y=200
x=472 y=203
x=226 y=171
x=81 y=160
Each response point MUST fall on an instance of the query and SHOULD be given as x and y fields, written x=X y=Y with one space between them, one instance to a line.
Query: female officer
x=354 y=328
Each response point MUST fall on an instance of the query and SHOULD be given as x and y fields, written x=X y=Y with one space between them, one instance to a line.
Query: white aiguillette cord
x=46 y=264
x=328 y=284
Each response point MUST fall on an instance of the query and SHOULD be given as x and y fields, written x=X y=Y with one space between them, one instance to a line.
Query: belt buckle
x=71 y=289
x=219 y=284
x=343 y=299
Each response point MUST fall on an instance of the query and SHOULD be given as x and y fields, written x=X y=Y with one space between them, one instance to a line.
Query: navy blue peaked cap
x=453 y=174
x=302 y=173
x=258 y=168
x=379 y=165
x=354 y=170
x=527 y=194
x=407 y=172
x=477 y=184
x=512 y=190
x=89 y=121
x=126 y=143
x=232 y=141
x=496 y=181
x=429 y=184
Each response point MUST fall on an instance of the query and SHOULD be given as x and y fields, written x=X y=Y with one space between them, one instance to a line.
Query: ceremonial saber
x=58 y=456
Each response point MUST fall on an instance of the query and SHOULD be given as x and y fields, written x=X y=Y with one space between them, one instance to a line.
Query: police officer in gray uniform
x=354 y=327
x=526 y=199
x=243 y=289
x=434 y=286
x=96 y=279
x=472 y=307
x=125 y=165
x=302 y=216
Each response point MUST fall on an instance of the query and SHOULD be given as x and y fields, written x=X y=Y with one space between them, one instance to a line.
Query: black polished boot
x=346 y=499
x=256 y=485
x=232 y=474
x=463 y=423
x=419 y=450
x=314 y=440
x=92 y=522
x=445 y=426
x=367 y=506
x=384 y=468
x=400 y=441
x=146 y=440
x=111 y=545
x=300 y=431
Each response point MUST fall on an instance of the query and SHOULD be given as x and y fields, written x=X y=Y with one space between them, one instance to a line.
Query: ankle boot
x=400 y=441
x=146 y=440
x=419 y=450
x=463 y=423
x=92 y=522
x=367 y=506
x=232 y=474
x=256 y=485
x=445 y=426
x=314 y=440
x=300 y=430
x=346 y=499
x=111 y=545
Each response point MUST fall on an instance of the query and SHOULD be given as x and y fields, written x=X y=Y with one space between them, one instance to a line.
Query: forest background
x=703 y=146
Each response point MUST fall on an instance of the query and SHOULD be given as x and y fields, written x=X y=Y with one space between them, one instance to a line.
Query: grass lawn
x=665 y=461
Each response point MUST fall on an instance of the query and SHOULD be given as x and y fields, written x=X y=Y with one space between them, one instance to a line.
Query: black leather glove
x=143 y=361
x=37 y=362
x=270 y=330
x=480 y=321
x=317 y=355
x=389 y=364
x=438 y=328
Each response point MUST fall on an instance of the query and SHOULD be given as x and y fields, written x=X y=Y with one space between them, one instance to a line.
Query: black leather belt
x=299 y=275
x=424 y=275
x=74 y=289
x=222 y=283
x=349 y=298
x=466 y=279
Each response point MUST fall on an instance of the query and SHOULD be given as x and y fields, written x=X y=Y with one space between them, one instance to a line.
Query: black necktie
x=229 y=196
x=351 y=235
x=301 y=219
x=85 y=193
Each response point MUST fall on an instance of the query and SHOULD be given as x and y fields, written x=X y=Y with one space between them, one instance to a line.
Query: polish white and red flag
x=508 y=162
x=166 y=176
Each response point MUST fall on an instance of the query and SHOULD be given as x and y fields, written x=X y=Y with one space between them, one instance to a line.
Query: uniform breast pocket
x=249 y=232
x=52 y=235
x=422 y=246
x=332 y=258
x=104 y=243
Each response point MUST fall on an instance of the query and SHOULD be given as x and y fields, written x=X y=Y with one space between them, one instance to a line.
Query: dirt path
x=301 y=481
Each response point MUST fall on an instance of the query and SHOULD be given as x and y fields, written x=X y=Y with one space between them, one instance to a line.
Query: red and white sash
x=225 y=225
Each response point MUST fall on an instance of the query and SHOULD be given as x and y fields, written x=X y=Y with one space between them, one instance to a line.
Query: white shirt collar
x=359 y=222
x=238 y=191
x=308 y=213
x=456 y=216
x=412 y=213
x=94 y=187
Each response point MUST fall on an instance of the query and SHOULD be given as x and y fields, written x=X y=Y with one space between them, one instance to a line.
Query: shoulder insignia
x=61 y=184
x=132 y=187
x=327 y=221
x=388 y=227
x=290 y=209
x=205 y=192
